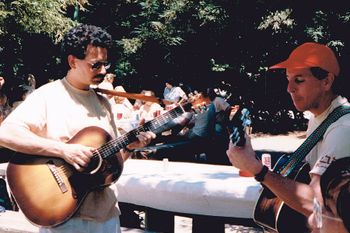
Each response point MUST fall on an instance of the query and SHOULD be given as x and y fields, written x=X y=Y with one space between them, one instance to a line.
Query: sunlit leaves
x=210 y=13
x=131 y=46
x=45 y=16
x=278 y=20
x=219 y=67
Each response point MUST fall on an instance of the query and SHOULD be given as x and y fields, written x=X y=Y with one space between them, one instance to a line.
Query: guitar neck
x=157 y=125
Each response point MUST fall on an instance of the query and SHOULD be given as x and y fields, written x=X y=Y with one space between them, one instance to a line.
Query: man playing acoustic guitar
x=45 y=124
x=312 y=73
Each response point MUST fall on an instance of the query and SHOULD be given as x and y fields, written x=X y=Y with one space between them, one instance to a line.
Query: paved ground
x=270 y=143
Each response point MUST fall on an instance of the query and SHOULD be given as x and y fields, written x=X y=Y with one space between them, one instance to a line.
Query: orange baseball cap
x=311 y=54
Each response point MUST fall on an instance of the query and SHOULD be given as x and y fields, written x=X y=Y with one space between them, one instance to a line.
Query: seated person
x=334 y=216
x=24 y=92
x=210 y=126
x=5 y=108
x=149 y=110
x=206 y=131
x=173 y=94
x=122 y=107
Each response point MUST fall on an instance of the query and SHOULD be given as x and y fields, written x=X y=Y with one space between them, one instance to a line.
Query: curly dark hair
x=78 y=38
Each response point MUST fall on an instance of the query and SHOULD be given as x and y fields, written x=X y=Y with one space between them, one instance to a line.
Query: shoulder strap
x=312 y=140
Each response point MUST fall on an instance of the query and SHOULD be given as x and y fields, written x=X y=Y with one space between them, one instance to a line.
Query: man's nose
x=290 y=88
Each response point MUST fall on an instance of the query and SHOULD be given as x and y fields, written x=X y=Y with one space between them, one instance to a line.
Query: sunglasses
x=98 y=65
x=317 y=211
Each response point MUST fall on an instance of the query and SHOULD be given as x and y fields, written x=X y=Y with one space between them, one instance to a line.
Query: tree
x=199 y=43
x=29 y=33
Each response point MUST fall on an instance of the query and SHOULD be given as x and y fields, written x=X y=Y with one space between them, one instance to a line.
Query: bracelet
x=261 y=175
x=129 y=150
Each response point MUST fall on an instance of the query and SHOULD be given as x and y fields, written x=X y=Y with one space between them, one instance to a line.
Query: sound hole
x=95 y=163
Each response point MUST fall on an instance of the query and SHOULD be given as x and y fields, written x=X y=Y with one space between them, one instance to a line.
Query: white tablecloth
x=189 y=188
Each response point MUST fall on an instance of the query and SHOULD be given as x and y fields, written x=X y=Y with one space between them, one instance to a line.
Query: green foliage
x=198 y=43
x=211 y=13
x=31 y=29
x=159 y=22
x=44 y=16
x=318 y=30
x=124 y=68
x=4 y=14
x=218 y=67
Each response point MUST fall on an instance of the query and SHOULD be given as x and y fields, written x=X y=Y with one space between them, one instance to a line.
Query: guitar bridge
x=57 y=176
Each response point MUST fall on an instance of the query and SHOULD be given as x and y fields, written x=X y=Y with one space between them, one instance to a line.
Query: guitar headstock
x=240 y=122
x=198 y=102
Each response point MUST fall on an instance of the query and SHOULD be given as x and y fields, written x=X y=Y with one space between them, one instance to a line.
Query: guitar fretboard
x=157 y=125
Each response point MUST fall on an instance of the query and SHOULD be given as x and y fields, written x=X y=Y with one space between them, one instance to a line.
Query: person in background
x=57 y=111
x=24 y=92
x=149 y=110
x=334 y=216
x=107 y=84
x=173 y=94
x=5 y=105
x=31 y=81
x=209 y=128
x=312 y=72
x=122 y=104
x=2 y=82
x=5 y=108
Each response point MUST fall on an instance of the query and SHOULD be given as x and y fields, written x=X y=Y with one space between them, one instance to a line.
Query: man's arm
x=297 y=195
x=22 y=139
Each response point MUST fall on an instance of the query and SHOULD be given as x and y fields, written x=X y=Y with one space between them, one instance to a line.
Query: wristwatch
x=261 y=175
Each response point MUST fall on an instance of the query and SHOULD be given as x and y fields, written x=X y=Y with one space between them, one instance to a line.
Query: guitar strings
x=114 y=145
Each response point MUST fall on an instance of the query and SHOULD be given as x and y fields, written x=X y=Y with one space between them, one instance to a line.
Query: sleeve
x=335 y=145
x=220 y=104
x=165 y=94
x=181 y=93
x=31 y=113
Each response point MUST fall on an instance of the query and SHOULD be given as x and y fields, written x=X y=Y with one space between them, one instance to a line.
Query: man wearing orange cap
x=312 y=71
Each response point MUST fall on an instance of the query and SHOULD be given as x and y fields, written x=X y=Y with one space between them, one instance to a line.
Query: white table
x=189 y=188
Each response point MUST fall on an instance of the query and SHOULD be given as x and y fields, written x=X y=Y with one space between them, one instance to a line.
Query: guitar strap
x=299 y=155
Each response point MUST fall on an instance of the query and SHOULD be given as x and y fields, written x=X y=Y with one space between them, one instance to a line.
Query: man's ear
x=71 y=61
x=329 y=81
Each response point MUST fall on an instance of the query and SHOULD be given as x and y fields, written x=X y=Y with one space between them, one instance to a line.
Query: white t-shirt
x=174 y=94
x=220 y=104
x=335 y=143
x=149 y=115
x=58 y=111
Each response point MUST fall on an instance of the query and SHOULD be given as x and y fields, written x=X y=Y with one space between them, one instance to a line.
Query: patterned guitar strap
x=298 y=156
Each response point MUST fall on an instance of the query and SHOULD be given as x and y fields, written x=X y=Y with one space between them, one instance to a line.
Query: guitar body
x=49 y=191
x=273 y=214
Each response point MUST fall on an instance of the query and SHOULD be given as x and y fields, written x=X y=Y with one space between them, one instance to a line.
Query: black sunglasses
x=98 y=65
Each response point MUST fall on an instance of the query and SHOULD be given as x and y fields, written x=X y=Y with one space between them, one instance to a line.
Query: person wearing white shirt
x=173 y=93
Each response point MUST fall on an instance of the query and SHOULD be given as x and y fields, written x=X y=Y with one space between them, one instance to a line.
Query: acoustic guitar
x=270 y=212
x=49 y=191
